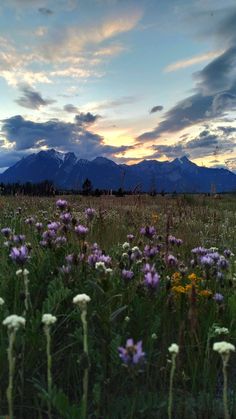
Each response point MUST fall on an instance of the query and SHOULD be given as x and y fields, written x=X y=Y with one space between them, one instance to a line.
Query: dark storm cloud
x=45 y=11
x=26 y=135
x=205 y=144
x=86 y=118
x=32 y=99
x=157 y=108
x=215 y=88
x=70 y=108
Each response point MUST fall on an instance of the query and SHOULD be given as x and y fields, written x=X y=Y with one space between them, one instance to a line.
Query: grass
x=120 y=309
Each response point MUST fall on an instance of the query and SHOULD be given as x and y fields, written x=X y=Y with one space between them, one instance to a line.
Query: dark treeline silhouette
x=45 y=188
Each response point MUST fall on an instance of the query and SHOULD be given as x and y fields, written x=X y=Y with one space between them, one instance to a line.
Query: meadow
x=137 y=291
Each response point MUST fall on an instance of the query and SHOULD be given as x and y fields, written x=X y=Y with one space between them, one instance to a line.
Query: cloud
x=157 y=108
x=189 y=62
x=32 y=99
x=25 y=136
x=214 y=92
x=76 y=39
x=45 y=11
x=70 y=108
x=207 y=143
x=116 y=103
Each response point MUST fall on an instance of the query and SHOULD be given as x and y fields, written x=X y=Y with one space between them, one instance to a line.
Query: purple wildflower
x=218 y=297
x=132 y=354
x=200 y=251
x=19 y=255
x=126 y=274
x=151 y=280
x=223 y=263
x=206 y=261
x=150 y=251
x=66 y=217
x=172 y=260
x=39 y=226
x=6 y=231
x=148 y=231
x=90 y=213
x=54 y=225
x=130 y=237
x=81 y=230
x=61 y=204
x=19 y=238
x=30 y=221
x=228 y=253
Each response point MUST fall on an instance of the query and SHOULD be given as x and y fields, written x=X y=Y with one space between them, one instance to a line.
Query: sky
x=124 y=79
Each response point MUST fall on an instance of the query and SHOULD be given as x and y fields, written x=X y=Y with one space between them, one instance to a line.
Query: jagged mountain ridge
x=69 y=172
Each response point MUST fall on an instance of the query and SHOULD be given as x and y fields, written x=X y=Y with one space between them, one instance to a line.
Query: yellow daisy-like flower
x=155 y=217
x=176 y=277
x=192 y=277
x=179 y=289
x=205 y=293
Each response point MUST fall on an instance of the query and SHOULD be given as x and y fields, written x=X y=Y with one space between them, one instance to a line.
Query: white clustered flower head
x=14 y=322
x=19 y=272
x=125 y=245
x=81 y=299
x=108 y=270
x=124 y=255
x=223 y=347
x=48 y=319
x=221 y=331
x=2 y=301
x=135 y=249
x=173 y=348
x=100 y=265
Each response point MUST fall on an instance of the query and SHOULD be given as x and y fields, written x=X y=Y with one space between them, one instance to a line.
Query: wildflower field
x=118 y=307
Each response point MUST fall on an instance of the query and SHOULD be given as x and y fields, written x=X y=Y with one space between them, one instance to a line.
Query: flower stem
x=11 y=363
x=225 y=359
x=86 y=371
x=170 y=403
x=49 y=367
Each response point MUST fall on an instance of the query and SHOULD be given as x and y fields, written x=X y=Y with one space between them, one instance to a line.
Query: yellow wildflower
x=178 y=289
x=205 y=293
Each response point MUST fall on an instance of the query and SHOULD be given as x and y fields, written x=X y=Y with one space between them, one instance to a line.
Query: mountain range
x=69 y=172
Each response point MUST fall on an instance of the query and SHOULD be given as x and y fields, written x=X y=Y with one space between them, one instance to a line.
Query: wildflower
x=81 y=300
x=130 y=237
x=48 y=319
x=148 y=231
x=179 y=289
x=127 y=319
x=125 y=245
x=100 y=265
x=150 y=251
x=66 y=218
x=61 y=204
x=154 y=336
x=30 y=221
x=223 y=263
x=151 y=279
x=206 y=261
x=205 y=293
x=19 y=238
x=228 y=253
x=2 y=301
x=19 y=255
x=54 y=225
x=39 y=226
x=6 y=231
x=81 y=230
x=172 y=261
x=126 y=274
x=14 y=322
x=173 y=348
x=220 y=331
x=223 y=347
x=90 y=213
x=218 y=297
x=132 y=354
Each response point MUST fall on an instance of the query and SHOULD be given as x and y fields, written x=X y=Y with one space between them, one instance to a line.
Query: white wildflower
x=100 y=265
x=48 y=319
x=173 y=348
x=81 y=299
x=125 y=245
x=221 y=331
x=2 y=301
x=223 y=347
x=14 y=322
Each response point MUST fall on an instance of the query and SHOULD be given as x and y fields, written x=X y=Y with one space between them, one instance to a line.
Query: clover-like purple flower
x=132 y=354
x=81 y=230
x=127 y=275
x=19 y=255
